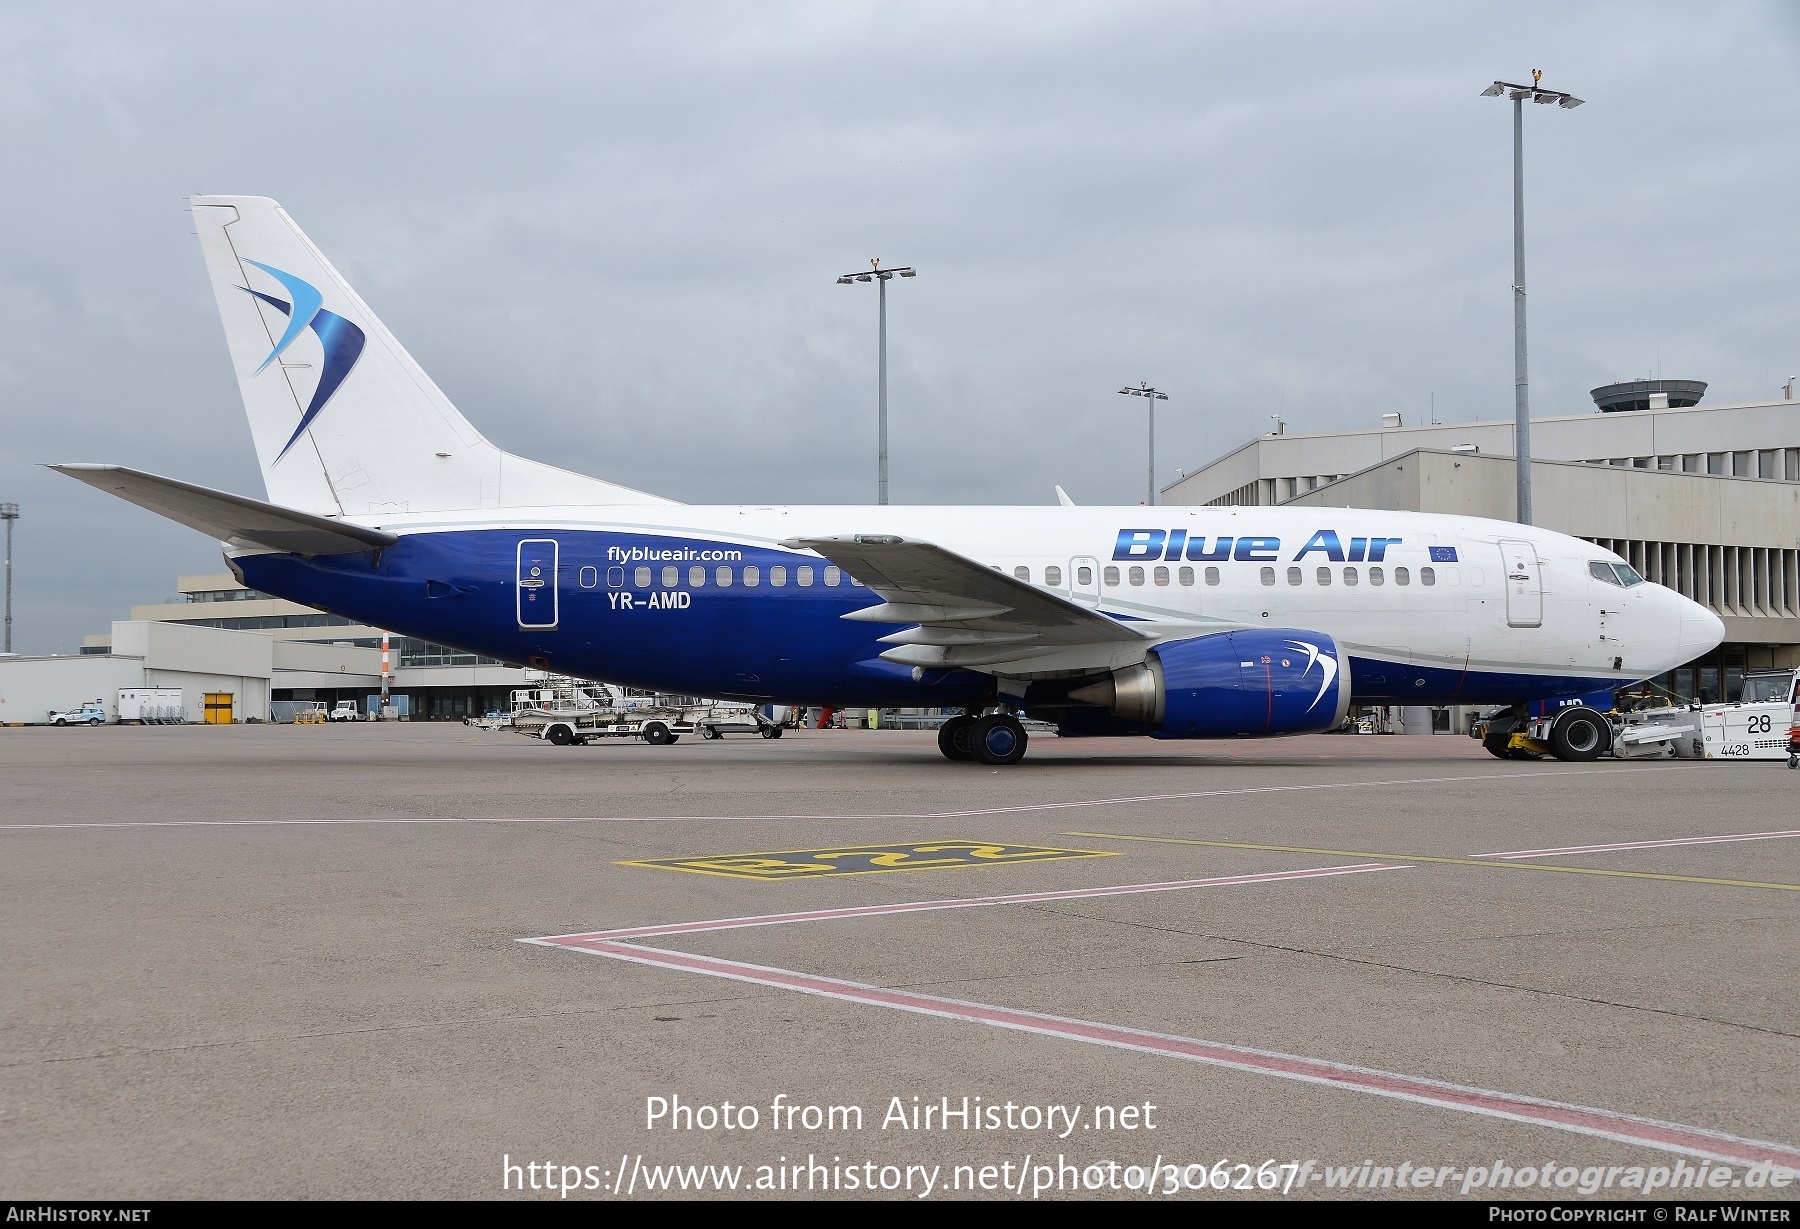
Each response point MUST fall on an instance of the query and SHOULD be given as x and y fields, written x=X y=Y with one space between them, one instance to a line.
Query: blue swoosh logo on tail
x=342 y=341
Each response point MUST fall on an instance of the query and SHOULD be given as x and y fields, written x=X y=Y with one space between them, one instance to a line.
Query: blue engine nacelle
x=1246 y=684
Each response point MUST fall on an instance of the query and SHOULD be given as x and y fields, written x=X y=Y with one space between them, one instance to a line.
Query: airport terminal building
x=1703 y=499
x=233 y=652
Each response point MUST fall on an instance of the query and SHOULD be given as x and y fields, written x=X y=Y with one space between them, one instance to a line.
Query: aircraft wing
x=233 y=519
x=967 y=614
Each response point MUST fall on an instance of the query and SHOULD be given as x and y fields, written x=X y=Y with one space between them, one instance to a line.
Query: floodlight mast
x=878 y=274
x=9 y=512
x=1521 y=383
x=1151 y=397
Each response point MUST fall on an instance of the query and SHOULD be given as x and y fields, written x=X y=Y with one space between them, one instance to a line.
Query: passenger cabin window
x=857 y=584
x=1295 y=576
x=1375 y=576
x=1136 y=576
x=1325 y=576
x=1111 y=577
x=1160 y=578
x=1427 y=576
x=1212 y=576
x=752 y=576
x=590 y=578
x=778 y=576
x=803 y=576
x=722 y=576
x=832 y=576
x=1349 y=576
x=1185 y=577
x=642 y=577
x=1022 y=573
x=615 y=578
x=697 y=576
x=671 y=576
x=1053 y=576
x=1268 y=576
x=1084 y=576
x=1402 y=576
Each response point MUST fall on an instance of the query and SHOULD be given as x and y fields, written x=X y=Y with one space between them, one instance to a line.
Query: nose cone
x=1702 y=631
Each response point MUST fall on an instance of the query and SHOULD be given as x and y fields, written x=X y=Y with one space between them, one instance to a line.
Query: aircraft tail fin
x=345 y=422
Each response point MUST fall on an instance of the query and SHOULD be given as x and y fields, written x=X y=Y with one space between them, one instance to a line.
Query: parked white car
x=86 y=714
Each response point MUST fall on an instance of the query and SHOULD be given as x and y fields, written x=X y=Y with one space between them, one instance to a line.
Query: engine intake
x=1246 y=684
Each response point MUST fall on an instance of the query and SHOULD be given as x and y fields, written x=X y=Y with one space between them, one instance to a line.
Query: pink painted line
x=1625 y=1128
x=969 y=902
x=1686 y=840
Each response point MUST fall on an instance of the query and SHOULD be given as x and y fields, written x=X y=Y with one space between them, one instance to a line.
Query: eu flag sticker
x=1443 y=554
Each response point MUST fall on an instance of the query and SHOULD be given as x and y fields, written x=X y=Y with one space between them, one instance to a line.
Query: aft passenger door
x=1524 y=584
x=536 y=583
x=1084 y=580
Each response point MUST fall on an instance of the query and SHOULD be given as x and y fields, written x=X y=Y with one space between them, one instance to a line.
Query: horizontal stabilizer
x=230 y=518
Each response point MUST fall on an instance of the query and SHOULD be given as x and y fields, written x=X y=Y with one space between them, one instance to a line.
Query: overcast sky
x=611 y=233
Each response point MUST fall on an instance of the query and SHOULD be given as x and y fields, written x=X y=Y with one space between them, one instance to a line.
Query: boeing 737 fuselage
x=386 y=506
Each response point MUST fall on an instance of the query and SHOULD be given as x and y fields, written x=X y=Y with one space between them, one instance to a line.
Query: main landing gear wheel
x=1580 y=735
x=657 y=734
x=771 y=731
x=998 y=739
x=953 y=738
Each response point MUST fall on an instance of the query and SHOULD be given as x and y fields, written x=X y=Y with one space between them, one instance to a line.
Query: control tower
x=1648 y=395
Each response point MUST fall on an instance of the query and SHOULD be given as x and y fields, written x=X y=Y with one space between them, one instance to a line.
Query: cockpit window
x=1628 y=575
x=1601 y=570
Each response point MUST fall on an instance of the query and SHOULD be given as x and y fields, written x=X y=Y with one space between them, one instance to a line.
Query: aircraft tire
x=998 y=739
x=953 y=738
x=1580 y=735
x=1494 y=741
x=657 y=734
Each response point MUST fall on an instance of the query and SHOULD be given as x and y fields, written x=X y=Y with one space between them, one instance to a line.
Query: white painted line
x=1625 y=1128
x=1685 y=840
x=692 y=819
x=969 y=902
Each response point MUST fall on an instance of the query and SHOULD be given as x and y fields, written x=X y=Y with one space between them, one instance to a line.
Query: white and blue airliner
x=385 y=505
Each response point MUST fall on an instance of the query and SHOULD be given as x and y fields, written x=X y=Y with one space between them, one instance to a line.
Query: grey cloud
x=611 y=234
